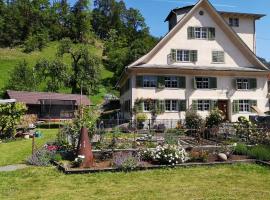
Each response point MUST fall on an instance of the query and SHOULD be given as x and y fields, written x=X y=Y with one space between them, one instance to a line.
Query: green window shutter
x=193 y=55
x=194 y=83
x=194 y=105
x=252 y=83
x=213 y=82
x=213 y=104
x=191 y=33
x=161 y=82
x=182 y=105
x=160 y=105
x=181 y=82
x=211 y=33
x=173 y=55
x=252 y=103
x=139 y=81
x=234 y=84
x=235 y=106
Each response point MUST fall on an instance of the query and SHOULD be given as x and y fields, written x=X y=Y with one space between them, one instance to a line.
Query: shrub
x=126 y=161
x=198 y=156
x=141 y=117
x=240 y=149
x=171 y=139
x=35 y=42
x=215 y=118
x=41 y=157
x=166 y=154
x=27 y=120
x=245 y=128
x=260 y=152
x=11 y=115
x=193 y=120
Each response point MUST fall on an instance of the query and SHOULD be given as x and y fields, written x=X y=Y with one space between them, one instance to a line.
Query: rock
x=222 y=157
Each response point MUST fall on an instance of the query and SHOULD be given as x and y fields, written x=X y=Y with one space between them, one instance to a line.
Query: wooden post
x=33 y=144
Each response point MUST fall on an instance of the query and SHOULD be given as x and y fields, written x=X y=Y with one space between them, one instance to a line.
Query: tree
x=81 y=21
x=11 y=115
x=54 y=73
x=22 y=78
x=85 y=67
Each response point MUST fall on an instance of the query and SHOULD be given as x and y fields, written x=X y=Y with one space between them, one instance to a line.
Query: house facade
x=206 y=60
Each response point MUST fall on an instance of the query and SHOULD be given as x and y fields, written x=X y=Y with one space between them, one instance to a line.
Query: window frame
x=146 y=104
x=203 y=82
x=242 y=82
x=203 y=105
x=219 y=54
x=171 y=82
x=149 y=81
x=182 y=55
x=201 y=32
x=172 y=104
x=244 y=106
x=234 y=22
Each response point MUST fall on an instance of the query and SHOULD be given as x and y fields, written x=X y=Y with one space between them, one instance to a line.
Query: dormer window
x=234 y=22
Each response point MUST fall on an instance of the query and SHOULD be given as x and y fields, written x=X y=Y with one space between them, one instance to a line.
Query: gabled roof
x=219 y=20
x=34 y=98
x=188 y=8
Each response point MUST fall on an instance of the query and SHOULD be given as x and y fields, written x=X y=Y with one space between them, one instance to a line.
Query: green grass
x=223 y=182
x=11 y=57
x=17 y=151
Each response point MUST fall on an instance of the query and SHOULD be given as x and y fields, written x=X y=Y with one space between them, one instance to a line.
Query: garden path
x=9 y=168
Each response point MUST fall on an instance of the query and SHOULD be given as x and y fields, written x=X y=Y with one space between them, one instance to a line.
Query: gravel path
x=10 y=168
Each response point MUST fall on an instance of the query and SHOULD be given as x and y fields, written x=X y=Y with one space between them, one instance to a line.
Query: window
x=207 y=33
x=200 y=33
x=171 y=105
x=244 y=106
x=146 y=106
x=203 y=105
x=202 y=83
x=149 y=81
x=171 y=82
x=180 y=55
x=218 y=57
x=234 y=22
x=242 y=84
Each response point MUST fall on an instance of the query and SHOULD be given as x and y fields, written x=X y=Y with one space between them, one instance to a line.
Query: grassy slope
x=10 y=57
x=223 y=182
x=17 y=151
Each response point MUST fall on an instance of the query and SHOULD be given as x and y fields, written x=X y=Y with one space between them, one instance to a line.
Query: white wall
x=246 y=31
x=225 y=91
x=233 y=56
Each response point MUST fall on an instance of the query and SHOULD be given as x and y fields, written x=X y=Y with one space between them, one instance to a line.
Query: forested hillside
x=59 y=47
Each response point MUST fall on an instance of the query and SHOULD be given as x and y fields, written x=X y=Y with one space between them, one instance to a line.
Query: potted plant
x=141 y=118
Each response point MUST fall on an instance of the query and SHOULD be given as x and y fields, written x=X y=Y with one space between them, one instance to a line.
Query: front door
x=223 y=106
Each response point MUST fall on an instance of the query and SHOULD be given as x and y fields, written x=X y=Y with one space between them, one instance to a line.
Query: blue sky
x=155 y=11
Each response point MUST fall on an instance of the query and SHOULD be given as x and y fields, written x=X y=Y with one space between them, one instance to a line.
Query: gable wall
x=233 y=57
x=246 y=30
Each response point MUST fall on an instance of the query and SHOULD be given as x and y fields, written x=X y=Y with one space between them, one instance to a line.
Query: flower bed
x=165 y=156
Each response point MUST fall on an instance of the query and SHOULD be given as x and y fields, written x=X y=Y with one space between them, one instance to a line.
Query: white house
x=206 y=60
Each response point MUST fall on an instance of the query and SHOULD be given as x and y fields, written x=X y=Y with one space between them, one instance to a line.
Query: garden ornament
x=84 y=149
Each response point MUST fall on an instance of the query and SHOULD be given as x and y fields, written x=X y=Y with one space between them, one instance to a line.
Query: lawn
x=222 y=182
x=10 y=57
x=17 y=151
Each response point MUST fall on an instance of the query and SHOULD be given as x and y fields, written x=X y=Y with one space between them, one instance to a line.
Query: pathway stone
x=10 y=168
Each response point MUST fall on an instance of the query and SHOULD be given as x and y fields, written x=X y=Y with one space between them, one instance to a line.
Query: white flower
x=81 y=156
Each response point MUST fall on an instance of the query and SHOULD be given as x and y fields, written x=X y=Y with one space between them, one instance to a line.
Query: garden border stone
x=110 y=169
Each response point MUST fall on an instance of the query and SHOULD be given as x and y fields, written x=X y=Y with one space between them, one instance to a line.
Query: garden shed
x=49 y=106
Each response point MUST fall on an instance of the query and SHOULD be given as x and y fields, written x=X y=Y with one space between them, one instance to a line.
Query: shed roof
x=34 y=98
